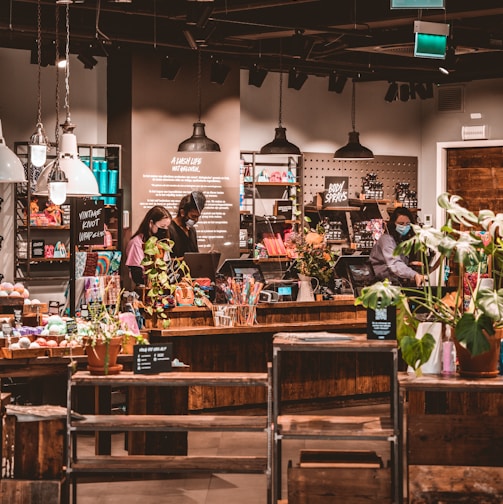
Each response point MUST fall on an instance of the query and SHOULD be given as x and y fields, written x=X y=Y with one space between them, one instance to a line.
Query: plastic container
x=224 y=315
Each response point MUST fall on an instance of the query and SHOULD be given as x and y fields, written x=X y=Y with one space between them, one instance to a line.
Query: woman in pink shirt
x=155 y=223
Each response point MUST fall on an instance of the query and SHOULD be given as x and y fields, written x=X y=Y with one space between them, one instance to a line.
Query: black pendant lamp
x=199 y=142
x=353 y=149
x=280 y=145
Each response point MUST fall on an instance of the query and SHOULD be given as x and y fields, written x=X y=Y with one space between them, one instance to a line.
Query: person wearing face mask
x=181 y=229
x=155 y=223
x=397 y=268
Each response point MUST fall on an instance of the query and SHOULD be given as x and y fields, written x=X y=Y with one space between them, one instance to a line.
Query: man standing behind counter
x=181 y=230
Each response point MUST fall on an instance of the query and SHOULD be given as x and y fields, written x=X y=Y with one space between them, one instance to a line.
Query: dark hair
x=392 y=220
x=155 y=214
x=193 y=201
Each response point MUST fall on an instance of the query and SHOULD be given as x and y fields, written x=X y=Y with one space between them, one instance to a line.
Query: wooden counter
x=248 y=348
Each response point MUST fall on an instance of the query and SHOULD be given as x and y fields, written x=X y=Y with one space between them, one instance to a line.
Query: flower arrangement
x=314 y=257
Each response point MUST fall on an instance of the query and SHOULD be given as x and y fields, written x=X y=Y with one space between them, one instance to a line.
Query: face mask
x=190 y=223
x=402 y=229
x=161 y=233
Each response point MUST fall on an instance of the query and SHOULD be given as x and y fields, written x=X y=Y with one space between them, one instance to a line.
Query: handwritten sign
x=90 y=222
x=336 y=192
x=152 y=359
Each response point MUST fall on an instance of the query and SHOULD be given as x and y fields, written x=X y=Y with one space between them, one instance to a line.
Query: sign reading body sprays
x=187 y=172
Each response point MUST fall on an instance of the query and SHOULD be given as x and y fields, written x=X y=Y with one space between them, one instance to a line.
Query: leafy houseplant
x=475 y=244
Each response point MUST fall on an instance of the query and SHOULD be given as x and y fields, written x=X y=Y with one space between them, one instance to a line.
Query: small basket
x=224 y=315
x=246 y=314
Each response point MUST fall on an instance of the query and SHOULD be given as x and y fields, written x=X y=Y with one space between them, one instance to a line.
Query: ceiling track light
x=296 y=79
x=170 y=67
x=88 y=60
x=336 y=82
x=353 y=149
x=392 y=92
x=219 y=71
x=199 y=142
x=256 y=75
x=404 y=92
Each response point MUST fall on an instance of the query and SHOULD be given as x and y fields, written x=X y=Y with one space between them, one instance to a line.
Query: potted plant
x=474 y=308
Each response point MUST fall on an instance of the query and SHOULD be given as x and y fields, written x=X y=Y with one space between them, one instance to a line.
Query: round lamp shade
x=11 y=168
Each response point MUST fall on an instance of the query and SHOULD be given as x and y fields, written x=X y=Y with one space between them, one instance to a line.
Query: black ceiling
x=361 y=39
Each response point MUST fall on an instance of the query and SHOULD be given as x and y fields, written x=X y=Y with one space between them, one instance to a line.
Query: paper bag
x=434 y=364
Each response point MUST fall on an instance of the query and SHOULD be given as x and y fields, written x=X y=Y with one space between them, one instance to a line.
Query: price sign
x=152 y=359
x=381 y=323
x=71 y=326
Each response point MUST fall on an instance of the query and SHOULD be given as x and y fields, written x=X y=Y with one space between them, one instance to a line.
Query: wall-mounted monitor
x=418 y=4
x=430 y=39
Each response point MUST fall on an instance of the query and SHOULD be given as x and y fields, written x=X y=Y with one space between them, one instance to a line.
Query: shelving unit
x=337 y=428
x=130 y=464
x=257 y=209
x=55 y=270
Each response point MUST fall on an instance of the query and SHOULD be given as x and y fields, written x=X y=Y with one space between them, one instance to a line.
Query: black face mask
x=161 y=233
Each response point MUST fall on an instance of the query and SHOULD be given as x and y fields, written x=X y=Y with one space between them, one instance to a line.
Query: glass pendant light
x=353 y=149
x=280 y=145
x=81 y=181
x=199 y=142
x=11 y=168
x=39 y=142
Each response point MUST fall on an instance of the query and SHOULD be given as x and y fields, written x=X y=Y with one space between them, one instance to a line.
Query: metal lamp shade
x=199 y=142
x=11 y=168
x=81 y=180
x=354 y=149
x=280 y=145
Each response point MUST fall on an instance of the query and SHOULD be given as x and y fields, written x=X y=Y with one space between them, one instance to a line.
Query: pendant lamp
x=39 y=142
x=353 y=149
x=280 y=145
x=199 y=142
x=11 y=168
x=68 y=166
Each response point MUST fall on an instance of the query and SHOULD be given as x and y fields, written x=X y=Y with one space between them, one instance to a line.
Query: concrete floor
x=214 y=488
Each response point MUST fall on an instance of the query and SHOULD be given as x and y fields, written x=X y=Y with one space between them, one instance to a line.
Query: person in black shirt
x=181 y=229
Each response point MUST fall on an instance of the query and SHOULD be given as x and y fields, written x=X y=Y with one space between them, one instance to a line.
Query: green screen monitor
x=417 y=4
x=430 y=39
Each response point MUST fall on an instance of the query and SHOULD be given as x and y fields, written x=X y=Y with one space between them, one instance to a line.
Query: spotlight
x=424 y=91
x=256 y=75
x=219 y=71
x=47 y=54
x=412 y=91
x=336 y=82
x=404 y=92
x=296 y=79
x=198 y=12
x=87 y=59
x=392 y=92
x=169 y=67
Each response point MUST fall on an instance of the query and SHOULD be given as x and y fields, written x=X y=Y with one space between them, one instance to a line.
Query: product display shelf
x=141 y=464
x=360 y=429
x=261 y=194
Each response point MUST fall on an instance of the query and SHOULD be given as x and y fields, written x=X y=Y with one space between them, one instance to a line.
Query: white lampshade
x=81 y=180
x=11 y=168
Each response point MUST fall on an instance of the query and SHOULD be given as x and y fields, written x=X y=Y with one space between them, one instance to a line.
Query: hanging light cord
x=199 y=101
x=280 y=96
x=353 y=101
x=67 y=64
x=39 y=61
x=56 y=131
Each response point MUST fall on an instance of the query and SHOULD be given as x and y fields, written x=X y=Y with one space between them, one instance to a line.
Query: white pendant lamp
x=81 y=181
x=11 y=168
x=38 y=141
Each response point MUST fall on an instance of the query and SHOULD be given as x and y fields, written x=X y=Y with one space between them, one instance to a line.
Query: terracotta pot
x=484 y=365
x=97 y=357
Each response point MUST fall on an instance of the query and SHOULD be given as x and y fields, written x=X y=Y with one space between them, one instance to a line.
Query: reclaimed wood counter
x=197 y=342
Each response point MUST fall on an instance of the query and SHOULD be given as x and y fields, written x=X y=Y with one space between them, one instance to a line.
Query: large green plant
x=471 y=240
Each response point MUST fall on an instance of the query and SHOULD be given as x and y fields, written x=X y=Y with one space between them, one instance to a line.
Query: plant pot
x=102 y=358
x=484 y=365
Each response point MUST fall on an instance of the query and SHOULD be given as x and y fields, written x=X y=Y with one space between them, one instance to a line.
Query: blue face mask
x=402 y=229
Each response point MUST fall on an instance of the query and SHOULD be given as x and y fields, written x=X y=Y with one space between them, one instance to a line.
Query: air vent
x=450 y=99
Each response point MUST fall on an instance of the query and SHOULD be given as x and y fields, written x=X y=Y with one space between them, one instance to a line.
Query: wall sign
x=90 y=222
x=336 y=192
x=152 y=359
x=38 y=248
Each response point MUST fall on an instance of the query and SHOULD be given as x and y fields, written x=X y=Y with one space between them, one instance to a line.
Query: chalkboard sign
x=152 y=359
x=71 y=327
x=336 y=192
x=90 y=222
x=381 y=323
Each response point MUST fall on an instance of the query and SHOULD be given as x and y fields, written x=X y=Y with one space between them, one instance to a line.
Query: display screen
x=417 y=4
x=361 y=274
x=248 y=272
x=430 y=46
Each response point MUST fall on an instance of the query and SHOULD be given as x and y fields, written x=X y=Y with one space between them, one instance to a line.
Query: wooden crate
x=14 y=491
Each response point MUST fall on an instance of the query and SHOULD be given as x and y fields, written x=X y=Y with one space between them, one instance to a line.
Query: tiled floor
x=215 y=488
